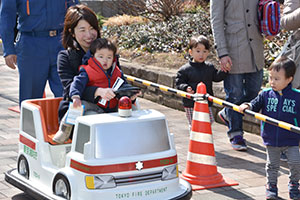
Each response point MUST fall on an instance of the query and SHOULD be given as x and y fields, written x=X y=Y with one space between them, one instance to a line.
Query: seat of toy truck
x=48 y=108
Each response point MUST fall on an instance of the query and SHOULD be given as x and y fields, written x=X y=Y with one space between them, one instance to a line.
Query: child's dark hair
x=199 y=39
x=286 y=64
x=102 y=43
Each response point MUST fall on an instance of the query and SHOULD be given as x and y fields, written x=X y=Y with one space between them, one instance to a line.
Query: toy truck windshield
x=131 y=138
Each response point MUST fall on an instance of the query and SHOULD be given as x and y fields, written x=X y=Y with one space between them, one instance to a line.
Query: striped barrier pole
x=198 y=97
x=258 y=116
x=163 y=88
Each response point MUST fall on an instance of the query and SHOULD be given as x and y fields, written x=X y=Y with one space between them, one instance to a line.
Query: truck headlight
x=170 y=172
x=100 y=182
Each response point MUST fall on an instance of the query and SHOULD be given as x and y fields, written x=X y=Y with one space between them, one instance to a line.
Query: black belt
x=50 y=33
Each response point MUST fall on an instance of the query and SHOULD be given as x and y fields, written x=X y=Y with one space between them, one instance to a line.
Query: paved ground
x=247 y=168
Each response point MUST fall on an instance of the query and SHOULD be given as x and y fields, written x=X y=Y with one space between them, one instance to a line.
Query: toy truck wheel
x=23 y=167
x=61 y=187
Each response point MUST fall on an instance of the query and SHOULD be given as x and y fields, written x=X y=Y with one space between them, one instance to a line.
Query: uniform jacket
x=33 y=15
x=193 y=73
x=284 y=107
x=236 y=34
x=94 y=75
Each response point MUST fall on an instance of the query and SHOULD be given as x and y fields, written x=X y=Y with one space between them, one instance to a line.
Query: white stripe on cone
x=201 y=116
x=201 y=159
x=201 y=137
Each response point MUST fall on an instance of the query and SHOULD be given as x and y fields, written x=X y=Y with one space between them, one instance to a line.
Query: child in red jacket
x=101 y=71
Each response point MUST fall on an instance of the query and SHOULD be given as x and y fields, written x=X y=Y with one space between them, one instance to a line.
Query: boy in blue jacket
x=281 y=102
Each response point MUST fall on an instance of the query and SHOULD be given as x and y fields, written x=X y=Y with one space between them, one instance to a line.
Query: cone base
x=14 y=109
x=211 y=178
x=227 y=182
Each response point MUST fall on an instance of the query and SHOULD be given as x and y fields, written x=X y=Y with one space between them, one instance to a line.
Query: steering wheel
x=126 y=90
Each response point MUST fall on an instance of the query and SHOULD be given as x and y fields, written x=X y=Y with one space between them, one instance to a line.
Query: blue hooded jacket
x=284 y=106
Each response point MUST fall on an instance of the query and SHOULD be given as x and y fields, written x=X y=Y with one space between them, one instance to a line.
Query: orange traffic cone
x=201 y=170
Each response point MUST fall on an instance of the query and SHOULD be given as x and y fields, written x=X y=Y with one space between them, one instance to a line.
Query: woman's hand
x=76 y=102
x=225 y=63
x=105 y=93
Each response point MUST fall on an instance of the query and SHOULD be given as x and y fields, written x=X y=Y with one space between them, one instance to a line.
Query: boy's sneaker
x=223 y=117
x=238 y=143
x=271 y=191
x=283 y=157
x=63 y=133
x=294 y=190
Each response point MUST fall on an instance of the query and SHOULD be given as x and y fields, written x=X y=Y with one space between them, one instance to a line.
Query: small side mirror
x=172 y=140
x=87 y=152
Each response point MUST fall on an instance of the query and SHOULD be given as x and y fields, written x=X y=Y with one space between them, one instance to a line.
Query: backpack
x=269 y=17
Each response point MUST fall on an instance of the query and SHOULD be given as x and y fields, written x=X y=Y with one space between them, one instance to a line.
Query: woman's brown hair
x=73 y=16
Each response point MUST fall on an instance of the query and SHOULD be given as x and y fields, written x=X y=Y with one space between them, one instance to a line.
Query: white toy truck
x=110 y=157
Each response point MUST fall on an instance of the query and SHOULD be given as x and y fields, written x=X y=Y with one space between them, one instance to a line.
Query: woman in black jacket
x=80 y=30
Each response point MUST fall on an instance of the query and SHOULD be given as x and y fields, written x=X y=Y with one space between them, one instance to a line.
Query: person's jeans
x=240 y=88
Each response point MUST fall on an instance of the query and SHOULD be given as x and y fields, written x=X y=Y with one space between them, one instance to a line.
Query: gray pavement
x=247 y=168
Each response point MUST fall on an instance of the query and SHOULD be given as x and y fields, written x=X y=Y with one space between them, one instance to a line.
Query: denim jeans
x=240 y=88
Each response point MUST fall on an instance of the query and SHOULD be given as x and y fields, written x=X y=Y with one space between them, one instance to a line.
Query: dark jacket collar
x=286 y=89
x=196 y=64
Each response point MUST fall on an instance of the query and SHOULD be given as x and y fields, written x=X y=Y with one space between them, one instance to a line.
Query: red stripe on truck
x=27 y=142
x=122 y=167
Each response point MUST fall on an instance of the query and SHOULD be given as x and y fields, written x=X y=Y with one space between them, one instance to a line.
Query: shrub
x=164 y=36
x=193 y=6
x=153 y=9
x=125 y=20
x=100 y=19
x=173 y=35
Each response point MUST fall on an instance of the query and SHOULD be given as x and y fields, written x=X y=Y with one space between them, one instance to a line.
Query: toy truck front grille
x=138 y=179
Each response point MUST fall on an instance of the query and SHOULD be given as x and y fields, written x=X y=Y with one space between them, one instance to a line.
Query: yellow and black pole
x=160 y=87
x=216 y=100
x=258 y=116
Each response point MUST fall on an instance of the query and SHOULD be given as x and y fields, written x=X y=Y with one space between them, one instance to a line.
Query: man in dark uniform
x=39 y=24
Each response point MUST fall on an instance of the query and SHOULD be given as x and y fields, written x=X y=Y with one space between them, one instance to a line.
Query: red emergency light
x=125 y=106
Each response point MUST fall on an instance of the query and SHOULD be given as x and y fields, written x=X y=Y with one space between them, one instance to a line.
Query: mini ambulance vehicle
x=110 y=157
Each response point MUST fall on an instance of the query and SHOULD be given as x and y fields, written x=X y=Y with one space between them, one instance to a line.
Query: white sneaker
x=63 y=133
